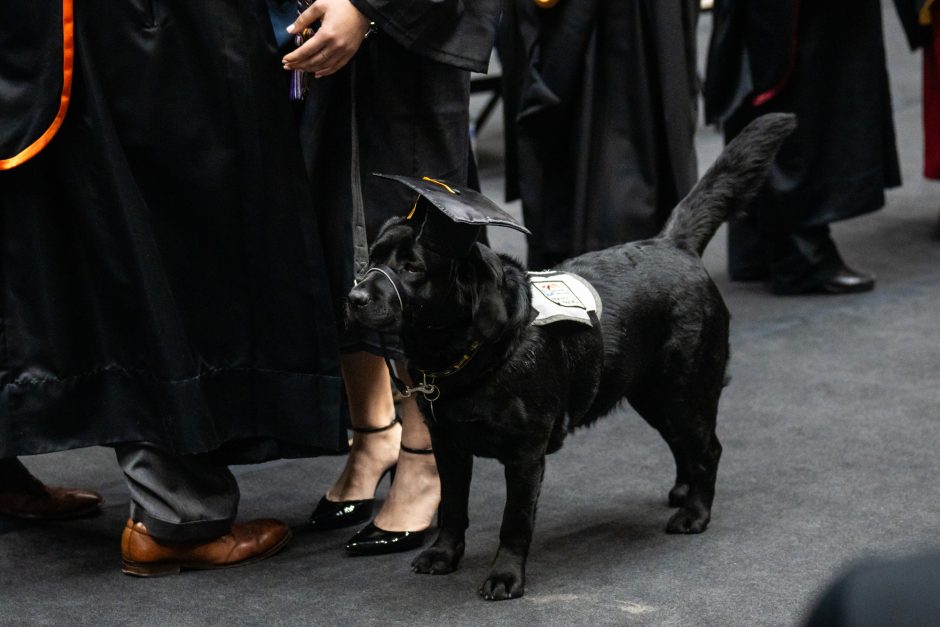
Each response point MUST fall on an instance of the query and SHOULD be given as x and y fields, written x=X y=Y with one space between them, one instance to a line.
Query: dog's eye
x=411 y=267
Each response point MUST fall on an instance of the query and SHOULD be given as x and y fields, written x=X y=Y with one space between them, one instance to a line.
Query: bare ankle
x=371 y=455
x=415 y=495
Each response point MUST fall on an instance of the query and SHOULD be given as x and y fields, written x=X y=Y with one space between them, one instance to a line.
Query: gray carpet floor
x=830 y=427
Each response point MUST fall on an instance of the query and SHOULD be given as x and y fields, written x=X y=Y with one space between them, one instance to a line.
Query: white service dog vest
x=558 y=296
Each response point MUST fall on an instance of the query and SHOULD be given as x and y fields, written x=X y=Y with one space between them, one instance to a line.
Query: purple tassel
x=299 y=78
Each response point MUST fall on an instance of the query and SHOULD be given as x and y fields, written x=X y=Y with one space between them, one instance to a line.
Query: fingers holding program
x=342 y=30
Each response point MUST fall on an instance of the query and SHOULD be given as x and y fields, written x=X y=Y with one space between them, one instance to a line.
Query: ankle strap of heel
x=417 y=451
x=396 y=420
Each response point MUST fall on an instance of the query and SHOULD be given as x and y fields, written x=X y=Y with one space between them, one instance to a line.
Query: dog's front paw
x=503 y=585
x=688 y=520
x=436 y=561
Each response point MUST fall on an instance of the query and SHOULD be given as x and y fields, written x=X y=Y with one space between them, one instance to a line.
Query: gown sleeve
x=455 y=32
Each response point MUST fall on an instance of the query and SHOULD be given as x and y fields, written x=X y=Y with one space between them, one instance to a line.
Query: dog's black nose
x=358 y=298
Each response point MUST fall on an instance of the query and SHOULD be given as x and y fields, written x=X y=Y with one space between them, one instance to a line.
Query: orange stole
x=68 y=55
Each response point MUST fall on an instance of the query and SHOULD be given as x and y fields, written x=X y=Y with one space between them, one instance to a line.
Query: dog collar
x=427 y=387
x=457 y=367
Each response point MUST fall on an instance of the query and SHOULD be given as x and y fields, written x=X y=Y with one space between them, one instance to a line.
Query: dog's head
x=410 y=286
x=428 y=273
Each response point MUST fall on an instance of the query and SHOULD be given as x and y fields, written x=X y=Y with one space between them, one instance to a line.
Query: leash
x=427 y=387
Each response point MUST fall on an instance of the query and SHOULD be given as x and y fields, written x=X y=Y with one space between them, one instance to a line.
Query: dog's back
x=660 y=305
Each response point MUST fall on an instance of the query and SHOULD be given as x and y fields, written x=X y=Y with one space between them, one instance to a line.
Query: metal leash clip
x=431 y=392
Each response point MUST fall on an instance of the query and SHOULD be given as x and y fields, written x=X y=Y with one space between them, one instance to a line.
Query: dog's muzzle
x=392 y=277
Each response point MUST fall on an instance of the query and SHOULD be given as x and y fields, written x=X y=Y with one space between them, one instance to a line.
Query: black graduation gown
x=824 y=61
x=161 y=276
x=600 y=119
x=409 y=85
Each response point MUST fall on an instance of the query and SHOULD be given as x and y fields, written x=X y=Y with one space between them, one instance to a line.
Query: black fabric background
x=600 y=117
x=161 y=276
x=843 y=154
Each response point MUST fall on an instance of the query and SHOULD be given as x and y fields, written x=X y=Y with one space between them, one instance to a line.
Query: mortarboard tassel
x=299 y=78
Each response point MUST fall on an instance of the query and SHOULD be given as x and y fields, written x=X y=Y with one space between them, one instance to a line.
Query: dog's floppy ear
x=486 y=280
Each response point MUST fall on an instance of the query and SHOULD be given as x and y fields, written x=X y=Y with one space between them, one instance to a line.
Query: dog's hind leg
x=653 y=414
x=698 y=451
x=455 y=468
x=507 y=575
x=695 y=359
x=683 y=407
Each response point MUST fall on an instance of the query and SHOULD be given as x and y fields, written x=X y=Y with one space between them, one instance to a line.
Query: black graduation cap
x=452 y=218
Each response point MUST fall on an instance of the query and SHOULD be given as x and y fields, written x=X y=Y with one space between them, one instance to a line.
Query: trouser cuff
x=192 y=531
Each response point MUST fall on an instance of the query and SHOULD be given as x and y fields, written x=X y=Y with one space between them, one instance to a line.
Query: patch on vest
x=558 y=296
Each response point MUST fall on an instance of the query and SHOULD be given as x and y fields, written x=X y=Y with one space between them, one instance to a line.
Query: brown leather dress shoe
x=246 y=543
x=37 y=501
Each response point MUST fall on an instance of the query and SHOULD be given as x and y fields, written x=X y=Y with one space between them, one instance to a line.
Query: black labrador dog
x=661 y=344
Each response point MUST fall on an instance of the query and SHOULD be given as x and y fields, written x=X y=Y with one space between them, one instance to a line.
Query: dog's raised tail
x=730 y=184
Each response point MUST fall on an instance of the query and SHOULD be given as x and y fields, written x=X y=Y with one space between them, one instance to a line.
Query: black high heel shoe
x=338 y=514
x=372 y=540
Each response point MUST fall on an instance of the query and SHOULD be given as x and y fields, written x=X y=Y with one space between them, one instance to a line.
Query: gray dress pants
x=13 y=474
x=178 y=498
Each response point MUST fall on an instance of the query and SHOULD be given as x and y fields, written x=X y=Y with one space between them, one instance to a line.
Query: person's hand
x=342 y=30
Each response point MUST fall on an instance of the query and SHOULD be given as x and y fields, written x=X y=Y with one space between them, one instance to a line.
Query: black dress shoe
x=846 y=281
x=338 y=514
x=370 y=540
